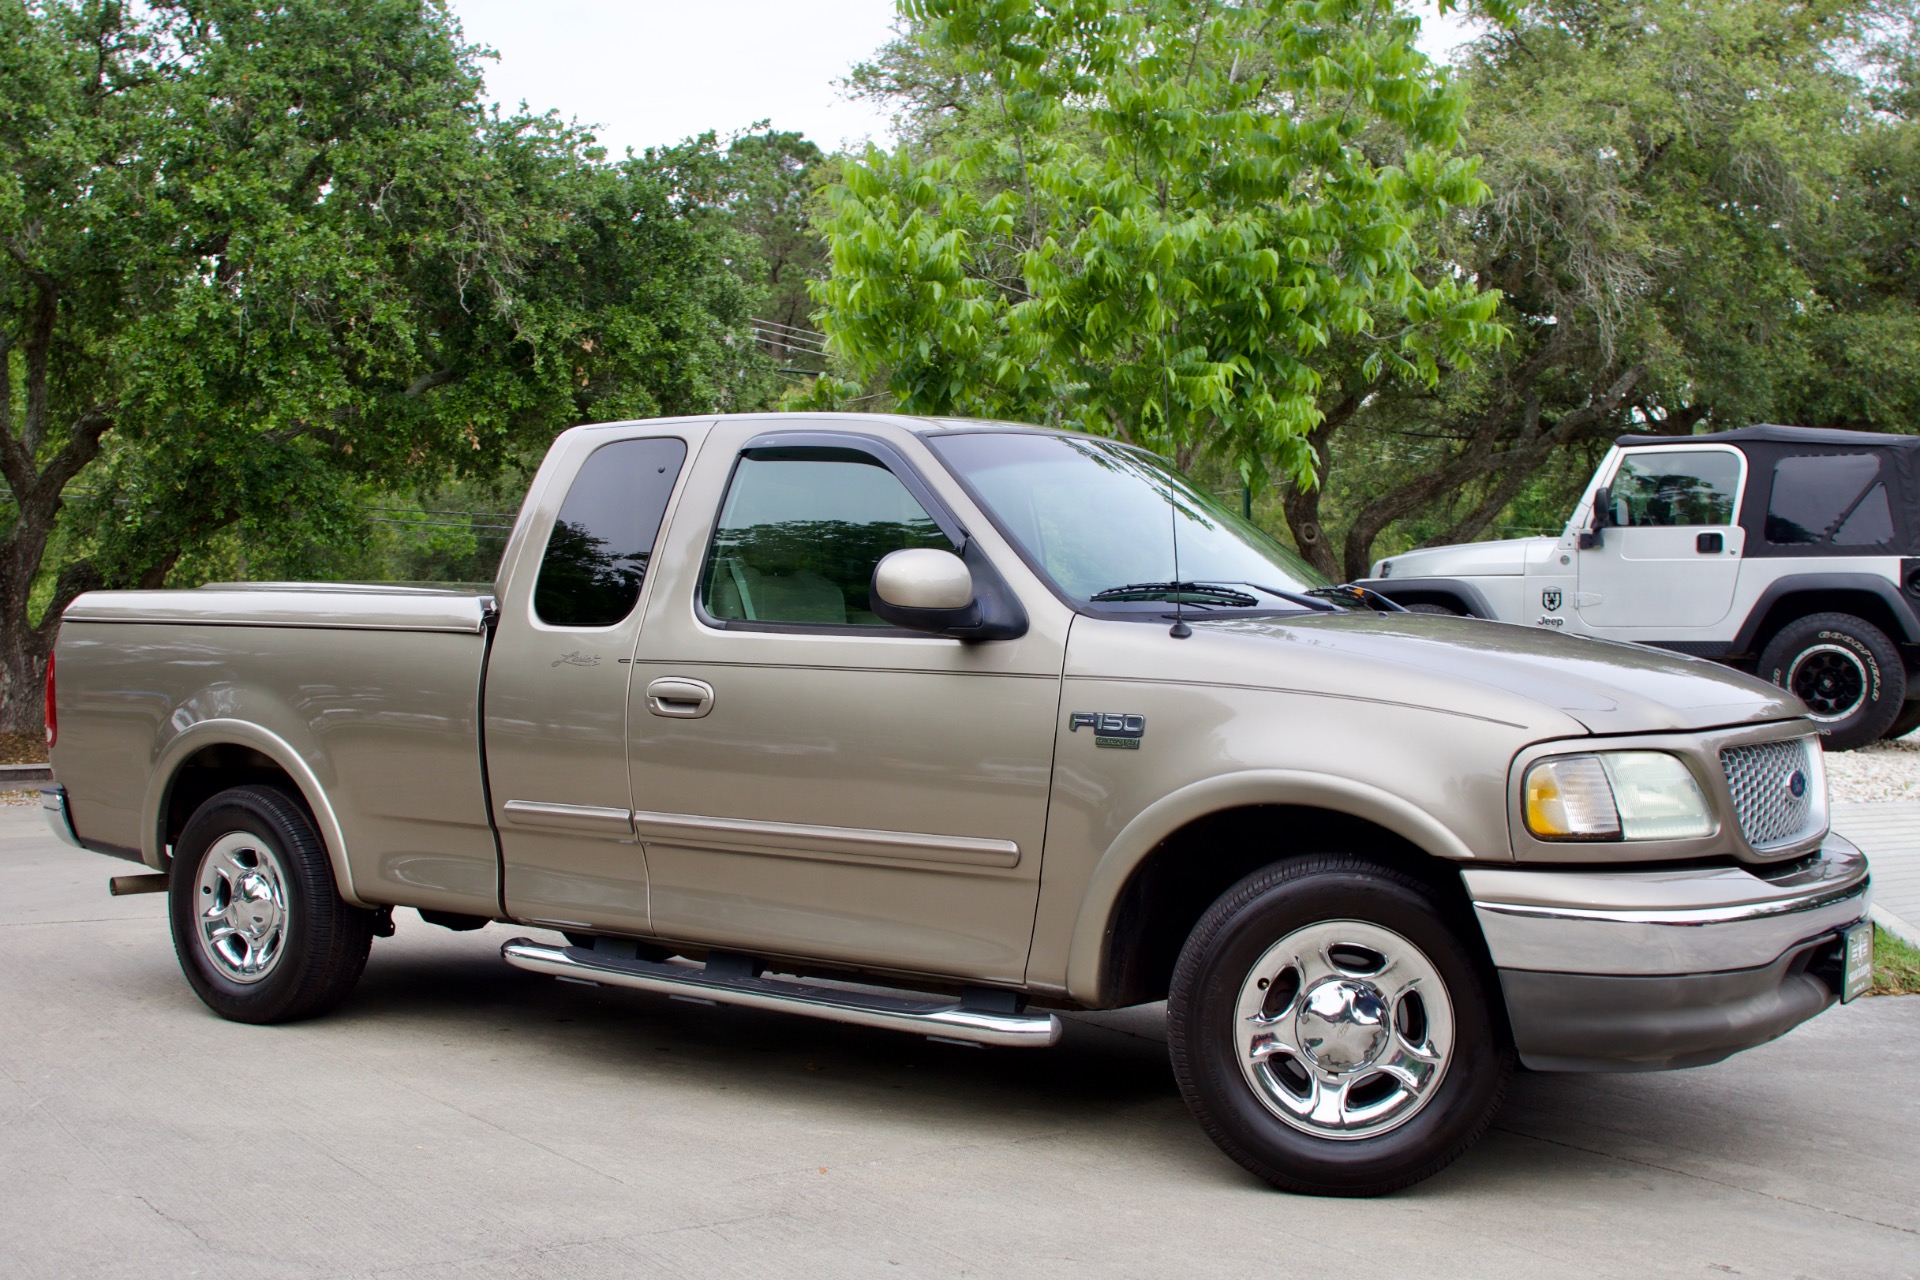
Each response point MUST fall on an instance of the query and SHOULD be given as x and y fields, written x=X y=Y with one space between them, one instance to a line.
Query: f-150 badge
x=1110 y=728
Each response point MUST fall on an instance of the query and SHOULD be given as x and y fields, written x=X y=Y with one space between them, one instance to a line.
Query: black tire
x=1846 y=671
x=1426 y=607
x=1204 y=1023
x=254 y=849
x=1908 y=720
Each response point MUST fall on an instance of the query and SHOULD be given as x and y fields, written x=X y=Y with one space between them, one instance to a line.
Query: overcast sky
x=650 y=72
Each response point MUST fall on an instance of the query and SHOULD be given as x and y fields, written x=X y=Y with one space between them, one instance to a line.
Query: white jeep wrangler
x=1791 y=552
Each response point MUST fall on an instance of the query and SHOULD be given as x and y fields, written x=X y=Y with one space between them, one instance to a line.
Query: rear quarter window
x=1835 y=499
x=596 y=557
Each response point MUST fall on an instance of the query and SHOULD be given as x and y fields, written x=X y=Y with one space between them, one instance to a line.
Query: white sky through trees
x=651 y=72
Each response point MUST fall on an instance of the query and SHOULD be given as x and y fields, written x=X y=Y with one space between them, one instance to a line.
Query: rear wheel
x=1908 y=720
x=261 y=932
x=1847 y=672
x=1330 y=1031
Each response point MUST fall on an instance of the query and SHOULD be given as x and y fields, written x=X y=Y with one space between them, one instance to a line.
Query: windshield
x=1097 y=517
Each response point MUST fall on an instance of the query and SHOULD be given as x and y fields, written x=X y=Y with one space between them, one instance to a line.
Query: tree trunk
x=38 y=495
x=1302 y=506
x=1493 y=448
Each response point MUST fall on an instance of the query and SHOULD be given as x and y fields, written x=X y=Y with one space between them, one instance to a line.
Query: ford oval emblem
x=1797 y=784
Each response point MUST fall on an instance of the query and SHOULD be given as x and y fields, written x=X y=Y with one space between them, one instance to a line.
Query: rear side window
x=1835 y=498
x=1666 y=486
x=801 y=532
x=596 y=558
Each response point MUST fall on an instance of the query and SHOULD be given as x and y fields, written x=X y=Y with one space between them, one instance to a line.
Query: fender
x=1888 y=593
x=244 y=733
x=1465 y=592
x=1087 y=954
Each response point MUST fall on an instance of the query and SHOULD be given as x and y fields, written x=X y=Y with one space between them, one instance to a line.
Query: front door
x=1670 y=559
x=808 y=780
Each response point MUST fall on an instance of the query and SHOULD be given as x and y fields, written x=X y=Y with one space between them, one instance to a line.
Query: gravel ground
x=1883 y=771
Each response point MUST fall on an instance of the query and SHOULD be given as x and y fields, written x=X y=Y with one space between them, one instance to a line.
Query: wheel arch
x=1153 y=882
x=1864 y=595
x=212 y=755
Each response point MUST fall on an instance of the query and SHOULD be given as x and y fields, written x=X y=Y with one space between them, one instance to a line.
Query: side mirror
x=925 y=589
x=962 y=596
x=1602 y=516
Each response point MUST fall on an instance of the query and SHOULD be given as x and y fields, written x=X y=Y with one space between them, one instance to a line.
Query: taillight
x=53 y=721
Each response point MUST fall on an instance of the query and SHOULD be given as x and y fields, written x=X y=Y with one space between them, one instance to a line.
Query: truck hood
x=1468 y=560
x=1489 y=669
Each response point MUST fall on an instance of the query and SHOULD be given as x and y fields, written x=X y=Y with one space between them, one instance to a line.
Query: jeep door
x=1669 y=560
x=808 y=780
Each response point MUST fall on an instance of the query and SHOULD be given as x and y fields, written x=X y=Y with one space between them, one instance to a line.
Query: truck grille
x=1761 y=776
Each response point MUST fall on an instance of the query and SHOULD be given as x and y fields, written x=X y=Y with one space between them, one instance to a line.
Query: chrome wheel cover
x=1344 y=1030
x=240 y=907
x=1830 y=679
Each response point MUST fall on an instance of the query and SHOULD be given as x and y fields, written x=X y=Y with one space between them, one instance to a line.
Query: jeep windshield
x=1099 y=520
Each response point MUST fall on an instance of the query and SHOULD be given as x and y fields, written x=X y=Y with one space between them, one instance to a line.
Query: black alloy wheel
x=1847 y=672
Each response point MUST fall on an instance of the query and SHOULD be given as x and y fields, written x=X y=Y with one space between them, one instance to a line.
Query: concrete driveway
x=458 y=1118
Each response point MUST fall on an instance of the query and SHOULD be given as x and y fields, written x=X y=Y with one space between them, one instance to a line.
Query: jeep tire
x=1847 y=672
x=261 y=931
x=1331 y=1031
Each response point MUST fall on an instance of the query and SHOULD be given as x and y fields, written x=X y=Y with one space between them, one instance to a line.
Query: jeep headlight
x=1615 y=795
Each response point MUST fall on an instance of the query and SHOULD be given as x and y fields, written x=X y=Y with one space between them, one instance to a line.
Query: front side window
x=800 y=533
x=1668 y=487
x=1836 y=497
x=596 y=557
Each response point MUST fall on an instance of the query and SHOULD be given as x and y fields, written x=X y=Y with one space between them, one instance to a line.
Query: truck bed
x=369 y=695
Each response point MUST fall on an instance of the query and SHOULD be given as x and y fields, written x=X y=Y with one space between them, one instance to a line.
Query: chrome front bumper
x=1643 y=970
x=53 y=804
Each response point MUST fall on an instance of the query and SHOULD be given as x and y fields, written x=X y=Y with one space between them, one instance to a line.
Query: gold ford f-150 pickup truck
x=945 y=726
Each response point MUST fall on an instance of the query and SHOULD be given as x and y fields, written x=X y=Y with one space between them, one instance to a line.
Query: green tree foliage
x=257 y=259
x=1158 y=219
x=1702 y=216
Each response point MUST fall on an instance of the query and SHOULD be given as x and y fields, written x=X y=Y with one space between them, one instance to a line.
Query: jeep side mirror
x=1602 y=516
x=927 y=589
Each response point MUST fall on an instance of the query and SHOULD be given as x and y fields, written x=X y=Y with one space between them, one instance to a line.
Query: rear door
x=1669 y=563
x=556 y=693
x=810 y=781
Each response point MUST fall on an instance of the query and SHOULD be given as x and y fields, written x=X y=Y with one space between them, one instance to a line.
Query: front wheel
x=1846 y=671
x=261 y=932
x=1331 y=1032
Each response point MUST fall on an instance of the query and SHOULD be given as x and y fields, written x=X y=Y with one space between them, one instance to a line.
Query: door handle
x=1709 y=544
x=679 y=697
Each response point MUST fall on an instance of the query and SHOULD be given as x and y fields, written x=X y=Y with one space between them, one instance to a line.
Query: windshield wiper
x=1187 y=592
x=1358 y=598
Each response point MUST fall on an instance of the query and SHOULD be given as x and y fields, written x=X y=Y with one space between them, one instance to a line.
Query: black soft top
x=1768 y=433
x=1893 y=488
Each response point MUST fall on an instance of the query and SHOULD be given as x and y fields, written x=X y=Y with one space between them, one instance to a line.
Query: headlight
x=1615 y=795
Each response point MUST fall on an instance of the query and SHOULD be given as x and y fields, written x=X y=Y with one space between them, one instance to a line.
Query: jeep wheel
x=1908 y=720
x=261 y=932
x=1428 y=607
x=1331 y=1032
x=1846 y=671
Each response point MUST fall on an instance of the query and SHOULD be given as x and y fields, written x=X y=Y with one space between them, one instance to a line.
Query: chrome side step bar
x=938 y=1018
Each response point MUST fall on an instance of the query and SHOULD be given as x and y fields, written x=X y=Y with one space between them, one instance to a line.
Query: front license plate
x=1856 y=960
